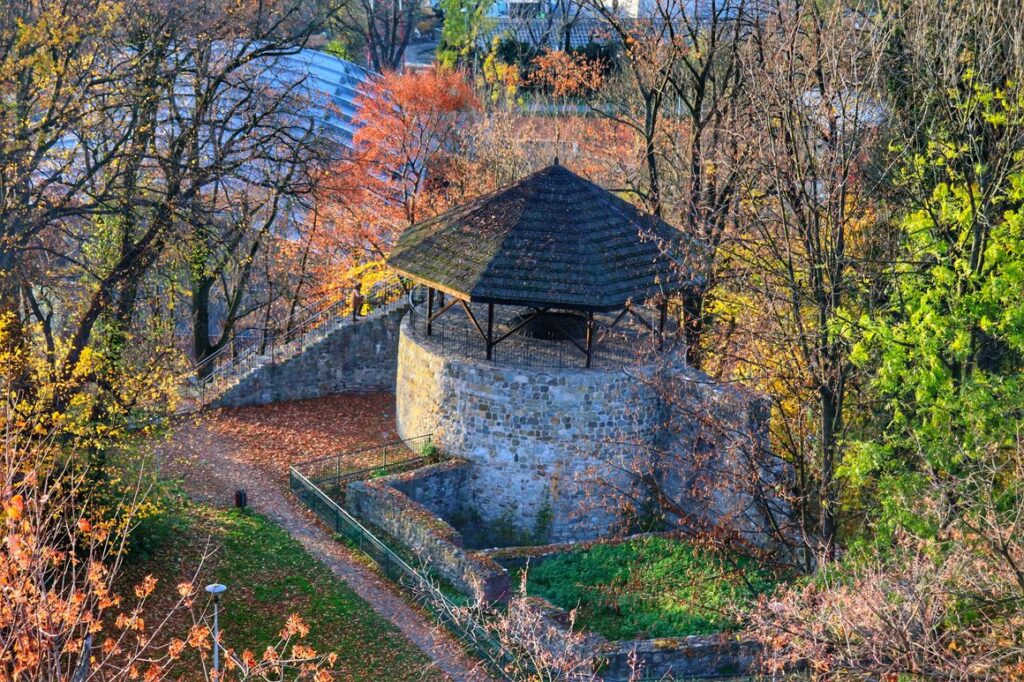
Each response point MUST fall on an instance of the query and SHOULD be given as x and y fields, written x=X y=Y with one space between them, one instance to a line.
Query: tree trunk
x=201 y=346
x=693 y=318
x=13 y=345
x=651 y=156
x=830 y=426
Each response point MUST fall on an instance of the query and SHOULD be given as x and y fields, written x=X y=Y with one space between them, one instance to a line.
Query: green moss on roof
x=551 y=239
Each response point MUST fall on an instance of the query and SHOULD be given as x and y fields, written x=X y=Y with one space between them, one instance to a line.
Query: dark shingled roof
x=552 y=239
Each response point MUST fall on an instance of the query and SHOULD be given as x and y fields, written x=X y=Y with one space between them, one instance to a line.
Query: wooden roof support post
x=490 y=330
x=663 y=310
x=430 y=310
x=590 y=338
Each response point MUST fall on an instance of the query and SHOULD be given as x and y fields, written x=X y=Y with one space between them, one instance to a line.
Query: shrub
x=431 y=453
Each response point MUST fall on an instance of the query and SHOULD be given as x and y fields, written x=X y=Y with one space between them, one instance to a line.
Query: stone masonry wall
x=382 y=503
x=556 y=453
x=677 y=658
x=440 y=488
x=666 y=658
x=537 y=440
x=360 y=356
x=712 y=453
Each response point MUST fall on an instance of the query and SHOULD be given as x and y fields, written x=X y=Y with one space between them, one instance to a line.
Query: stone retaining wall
x=382 y=503
x=534 y=555
x=677 y=658
x=569 y=454
x=538 y=439
x=666 y=658
x=360 y=356
x=440 y=487
x=713 y=445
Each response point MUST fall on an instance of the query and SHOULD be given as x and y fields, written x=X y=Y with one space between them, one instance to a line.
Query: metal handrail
x=615 y=346
x=231 y=348
x=426 y=438
x=332 y=469
x=373 y=539
x=492 y=651
x=382 y=296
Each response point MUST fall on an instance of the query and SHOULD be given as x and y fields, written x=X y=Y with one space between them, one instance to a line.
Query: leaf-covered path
x=250 y=448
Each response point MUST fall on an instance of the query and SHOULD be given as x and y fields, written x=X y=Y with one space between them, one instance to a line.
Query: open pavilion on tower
x=550 y=257
x=559 y=388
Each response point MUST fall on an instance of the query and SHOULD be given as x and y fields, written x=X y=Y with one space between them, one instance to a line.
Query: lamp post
x=216 y=589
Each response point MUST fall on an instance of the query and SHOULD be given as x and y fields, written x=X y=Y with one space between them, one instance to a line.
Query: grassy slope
x=649 y=587
x=269 y=576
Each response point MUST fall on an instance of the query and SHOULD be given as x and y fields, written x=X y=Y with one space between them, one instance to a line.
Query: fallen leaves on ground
x=273 y=437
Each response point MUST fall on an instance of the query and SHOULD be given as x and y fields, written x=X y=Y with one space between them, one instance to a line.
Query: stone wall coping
x=687 y=644
x=677 y=365
x=435 y=524
x=445 y=465
x=538 y=553
x=666 y=649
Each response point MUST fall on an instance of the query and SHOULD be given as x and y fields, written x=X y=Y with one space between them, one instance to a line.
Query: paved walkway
x=213 y=468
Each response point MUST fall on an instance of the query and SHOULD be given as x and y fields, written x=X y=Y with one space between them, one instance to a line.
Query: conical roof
x=552 y=239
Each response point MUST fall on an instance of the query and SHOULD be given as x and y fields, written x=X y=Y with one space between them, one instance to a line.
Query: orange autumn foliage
x=424 y=145
x=567 y=74
x=59 y=612
x=597 y=148
x=411 y=131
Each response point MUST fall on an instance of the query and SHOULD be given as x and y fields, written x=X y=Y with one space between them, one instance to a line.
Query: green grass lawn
x=649 y=587
x=270 y=576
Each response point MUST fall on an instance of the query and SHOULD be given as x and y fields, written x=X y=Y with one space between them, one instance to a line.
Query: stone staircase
x=226 y=371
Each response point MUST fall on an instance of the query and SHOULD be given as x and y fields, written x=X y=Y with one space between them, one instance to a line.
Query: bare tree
x=707 y=472
x=53 y=71
x=386 y=27
x=637 y=94
x=679 y=87
x=521 y=635
x=269 y=154
x=551 y=30
x=902 y=613
x=170 y=101
x=708 y=150
x=812 y=118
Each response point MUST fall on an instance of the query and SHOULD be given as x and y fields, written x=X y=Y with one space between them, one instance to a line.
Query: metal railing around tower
x=623 y=345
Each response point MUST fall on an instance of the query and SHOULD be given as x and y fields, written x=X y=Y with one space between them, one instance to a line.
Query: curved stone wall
x=539 y=440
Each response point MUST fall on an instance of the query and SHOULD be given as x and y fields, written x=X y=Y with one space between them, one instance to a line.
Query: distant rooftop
x=331 y=84
x=554 y=25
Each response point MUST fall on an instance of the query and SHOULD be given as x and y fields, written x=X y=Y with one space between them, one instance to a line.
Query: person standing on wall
x=357 y=302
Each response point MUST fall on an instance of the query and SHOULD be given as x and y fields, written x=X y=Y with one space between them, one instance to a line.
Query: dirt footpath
x=226 y=450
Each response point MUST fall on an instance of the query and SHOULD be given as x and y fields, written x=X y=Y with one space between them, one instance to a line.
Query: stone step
x=309 y=342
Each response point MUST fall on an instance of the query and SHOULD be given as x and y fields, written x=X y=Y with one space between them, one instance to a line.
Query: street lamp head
x=216 y=589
